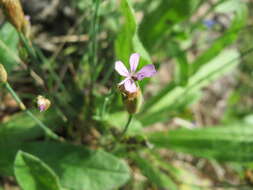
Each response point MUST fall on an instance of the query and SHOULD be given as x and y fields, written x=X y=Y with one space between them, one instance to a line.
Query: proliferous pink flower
x=131 y=75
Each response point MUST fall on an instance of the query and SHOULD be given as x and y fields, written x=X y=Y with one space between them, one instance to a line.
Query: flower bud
x=132 y=101
x=3 y=74
x=43 y=103
x=13 y=10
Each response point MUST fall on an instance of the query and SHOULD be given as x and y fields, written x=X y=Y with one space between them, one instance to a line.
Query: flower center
x=134 y=78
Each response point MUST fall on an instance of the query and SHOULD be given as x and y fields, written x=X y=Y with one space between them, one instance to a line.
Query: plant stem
x=93 y=34
x=47 y=131
x=93 y=55
x=130 y=117
x=15 y=96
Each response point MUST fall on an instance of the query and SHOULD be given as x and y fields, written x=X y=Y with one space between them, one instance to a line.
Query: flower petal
x=130 y=86
x=123 y=81
x=121 y=69
x=146 y=71
x=42 y=108
x=134 y=61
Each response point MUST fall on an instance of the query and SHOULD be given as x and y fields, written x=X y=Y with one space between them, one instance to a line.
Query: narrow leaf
x=128 y=41
x=153 y=174
x=223 y=143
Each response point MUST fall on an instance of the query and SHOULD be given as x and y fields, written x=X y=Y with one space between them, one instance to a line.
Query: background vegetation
x=194 y=130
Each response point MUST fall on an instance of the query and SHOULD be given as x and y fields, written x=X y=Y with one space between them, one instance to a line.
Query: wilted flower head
x=133 y=101
x=15 y=14
x=131 y=75
x=43 y=103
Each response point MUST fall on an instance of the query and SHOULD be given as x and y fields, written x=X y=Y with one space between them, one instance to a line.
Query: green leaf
x=8 y=46
x=182 y=65
x=172 y=109
x=180 y=173
x=223 y=143
x=33 y=174
x=77 y=167
x=127 y=41
x=160 y=21
x=229 y=6
x=174 y=98
x=225 y=40
x=153 y=174
x=21 y=127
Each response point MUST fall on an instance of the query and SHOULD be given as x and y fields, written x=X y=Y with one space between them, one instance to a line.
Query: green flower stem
x=127 y=125
x=15 y=96
x=47 y=131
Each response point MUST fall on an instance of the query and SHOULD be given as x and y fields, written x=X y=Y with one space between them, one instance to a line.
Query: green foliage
x=225 y=40
x=89 y=148
x=127 y=40
x=229 y=6
x=153 y=173
x=173 y=98
x=182 y=67
x=223 y=143
x=33 y=174
x=15 y=128
x=119 y=120
x=8 y=46
x=160 y=21
x=78 y=168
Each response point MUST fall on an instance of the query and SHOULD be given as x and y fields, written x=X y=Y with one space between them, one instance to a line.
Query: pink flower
x=131 y=75
x=43 y=103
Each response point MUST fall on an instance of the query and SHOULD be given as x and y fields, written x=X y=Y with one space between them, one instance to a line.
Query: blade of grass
x=92 y=58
